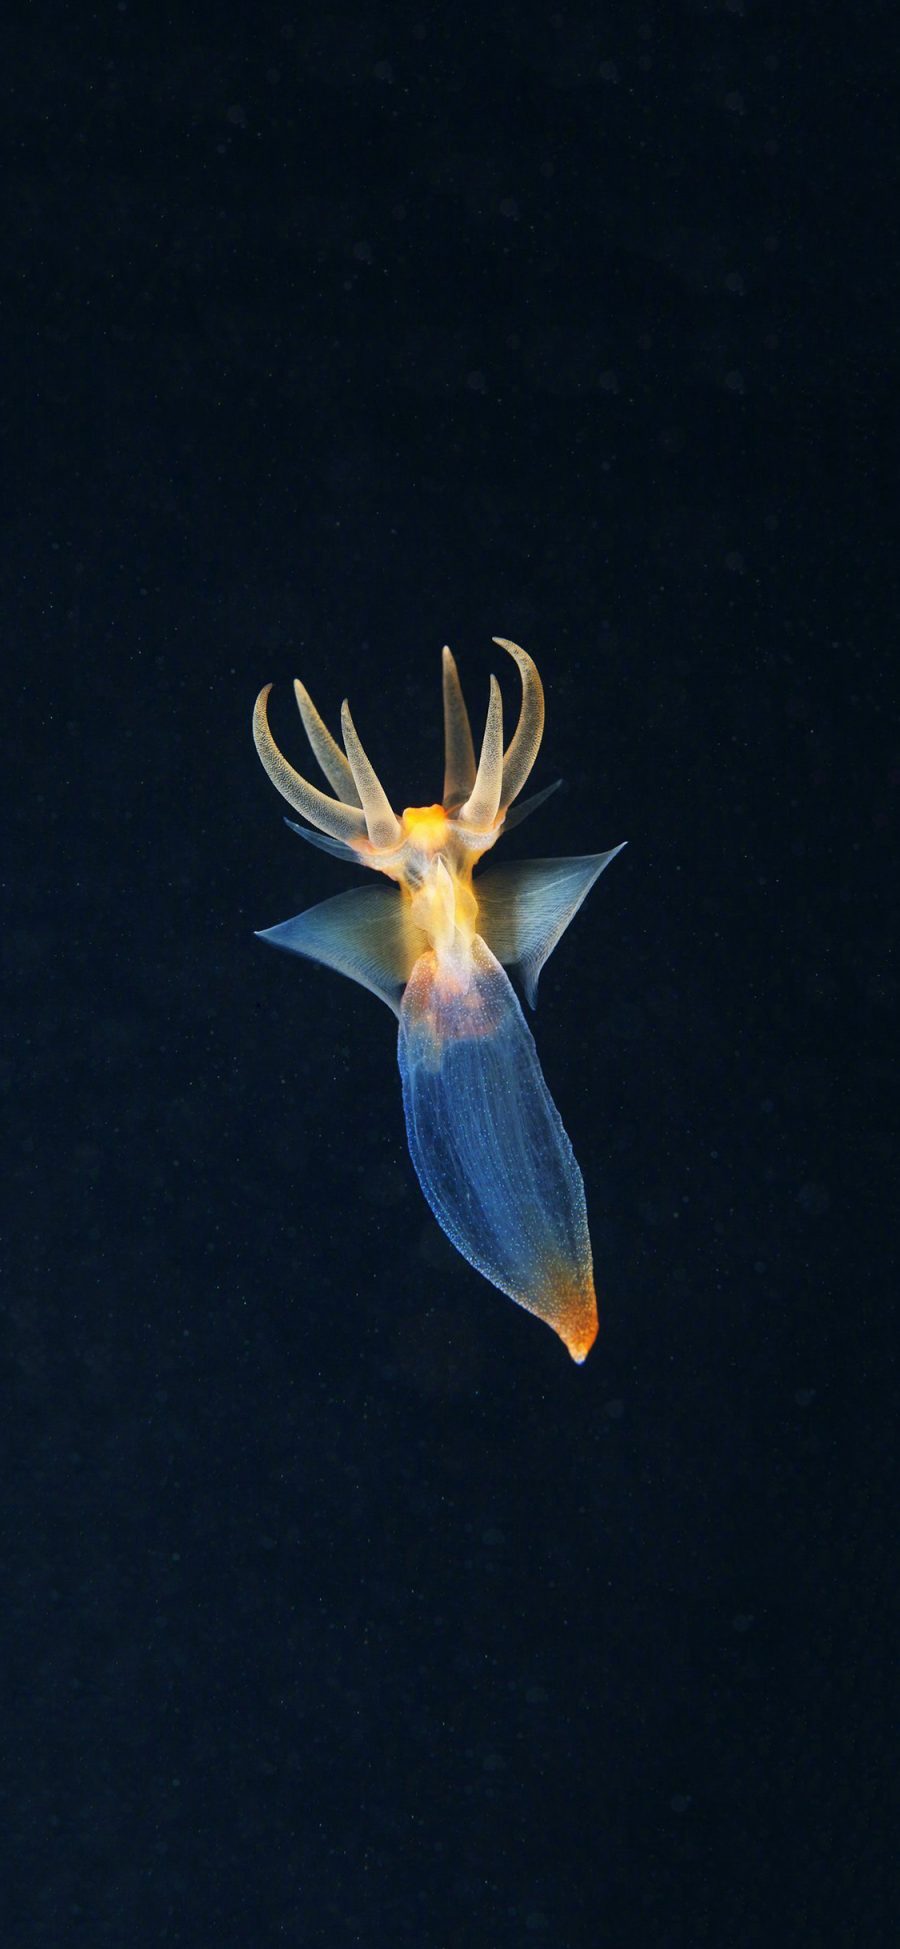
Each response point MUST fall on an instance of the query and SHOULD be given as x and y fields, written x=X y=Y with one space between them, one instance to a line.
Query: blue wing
x=488 y=1143
x=366 y=934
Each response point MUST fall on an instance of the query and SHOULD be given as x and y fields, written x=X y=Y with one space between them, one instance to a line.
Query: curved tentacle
x=342 y=821
x=325 y=749
x=524 y=744
x=383 y=825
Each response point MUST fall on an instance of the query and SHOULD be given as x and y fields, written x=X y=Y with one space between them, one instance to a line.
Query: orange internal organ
x=427 y=826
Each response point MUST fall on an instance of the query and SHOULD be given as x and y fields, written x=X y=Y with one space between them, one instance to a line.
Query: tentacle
x=524 y=745
x=382 y=822
x=342 y=821
x=459 y=751
x=326 y=751
x=480 y=809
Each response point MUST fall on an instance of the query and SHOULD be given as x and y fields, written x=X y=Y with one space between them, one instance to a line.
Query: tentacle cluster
x=477 y=796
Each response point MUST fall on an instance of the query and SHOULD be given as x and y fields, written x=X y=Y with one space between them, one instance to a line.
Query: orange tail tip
x=577 y=1324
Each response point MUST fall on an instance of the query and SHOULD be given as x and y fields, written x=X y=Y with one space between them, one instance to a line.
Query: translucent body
x=488 y=1143
x=485 y=1136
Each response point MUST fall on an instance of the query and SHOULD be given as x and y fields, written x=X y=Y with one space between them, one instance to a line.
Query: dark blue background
x=339 y=1607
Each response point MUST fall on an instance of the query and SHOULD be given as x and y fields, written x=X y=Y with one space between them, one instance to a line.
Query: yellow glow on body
x=442 y=905
x=426 y=826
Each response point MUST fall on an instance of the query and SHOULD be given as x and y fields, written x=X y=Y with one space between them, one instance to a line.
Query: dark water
x=339 y=1608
